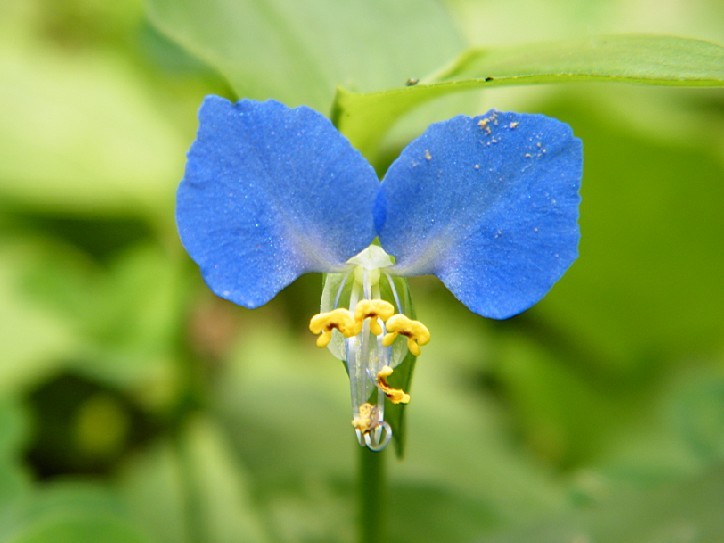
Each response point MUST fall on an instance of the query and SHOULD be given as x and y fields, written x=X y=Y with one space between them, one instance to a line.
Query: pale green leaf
x=661 y=60
x=298 y=52
x=653 y=60
x=685 y=512
x=33 y=338
x=14 y=478
x=81 y=134
x=197 y=480
x=68 y=512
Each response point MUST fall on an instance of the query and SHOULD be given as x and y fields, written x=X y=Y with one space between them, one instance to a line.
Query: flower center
x=362 y=317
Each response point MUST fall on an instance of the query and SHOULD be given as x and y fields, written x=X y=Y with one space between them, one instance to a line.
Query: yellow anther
x=373 y=310
x=367 y=418
x=396 y=395
x=338 y=319
x=416 y=333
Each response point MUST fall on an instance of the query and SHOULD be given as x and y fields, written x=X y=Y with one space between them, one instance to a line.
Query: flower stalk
x=372 y=485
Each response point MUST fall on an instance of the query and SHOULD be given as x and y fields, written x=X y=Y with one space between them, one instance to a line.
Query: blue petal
x=270 y=193
x=489 y=205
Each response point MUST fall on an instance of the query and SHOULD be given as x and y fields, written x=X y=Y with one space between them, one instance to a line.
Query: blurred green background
x=136 y=407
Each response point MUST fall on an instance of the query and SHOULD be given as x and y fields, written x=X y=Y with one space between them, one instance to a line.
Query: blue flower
x=487 y=204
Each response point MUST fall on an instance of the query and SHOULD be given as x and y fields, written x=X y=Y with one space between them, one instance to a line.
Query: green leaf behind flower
x=402 y=376
x=652 y=60
x=298 y=52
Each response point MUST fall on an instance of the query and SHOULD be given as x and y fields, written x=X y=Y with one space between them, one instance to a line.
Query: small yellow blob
x=428 y=156
x=416 y=333
x=396 y=395
x=367 y=418
x=338 y=319
x=373 y=310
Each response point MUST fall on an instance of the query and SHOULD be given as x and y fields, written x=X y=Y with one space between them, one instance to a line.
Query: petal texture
x=489 y=205
x=270 y=193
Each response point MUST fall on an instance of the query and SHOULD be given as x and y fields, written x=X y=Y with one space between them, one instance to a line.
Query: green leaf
x=197 y=480
x=34 y=339
x=402 y=377
x=117 y=324
x=298 y=52
x=13 y=430
x=687 y=511
x=653 y=60
x=68 y=512
x=660 y=60
x=100 y=144
x=133 y=323
x=648 y=232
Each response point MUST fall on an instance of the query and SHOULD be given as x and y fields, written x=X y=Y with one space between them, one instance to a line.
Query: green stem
x=372 y=497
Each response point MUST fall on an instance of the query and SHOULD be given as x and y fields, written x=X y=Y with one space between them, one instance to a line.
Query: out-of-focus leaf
x=675 y=430
x=132 y=326
x=193 y=489
x=650 y=429
x=428 y=511
x=68 y=512
x=569 y=19
x=561 y=414
x=685 y=512
x=81 y=134
x=699 y=416
x=33 y=338
x=13 y=479
x=645 y=287
x=118 y=323
x=655 y=60
x=298 y=52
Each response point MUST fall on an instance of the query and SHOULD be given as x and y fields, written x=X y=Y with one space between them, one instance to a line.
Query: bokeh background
x=137 y=407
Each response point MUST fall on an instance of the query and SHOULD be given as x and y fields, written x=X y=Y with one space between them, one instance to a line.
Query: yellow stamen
x=416 y=333
x=373 y=310
x=367 y=418
x=338 y=319
x=396 y=395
